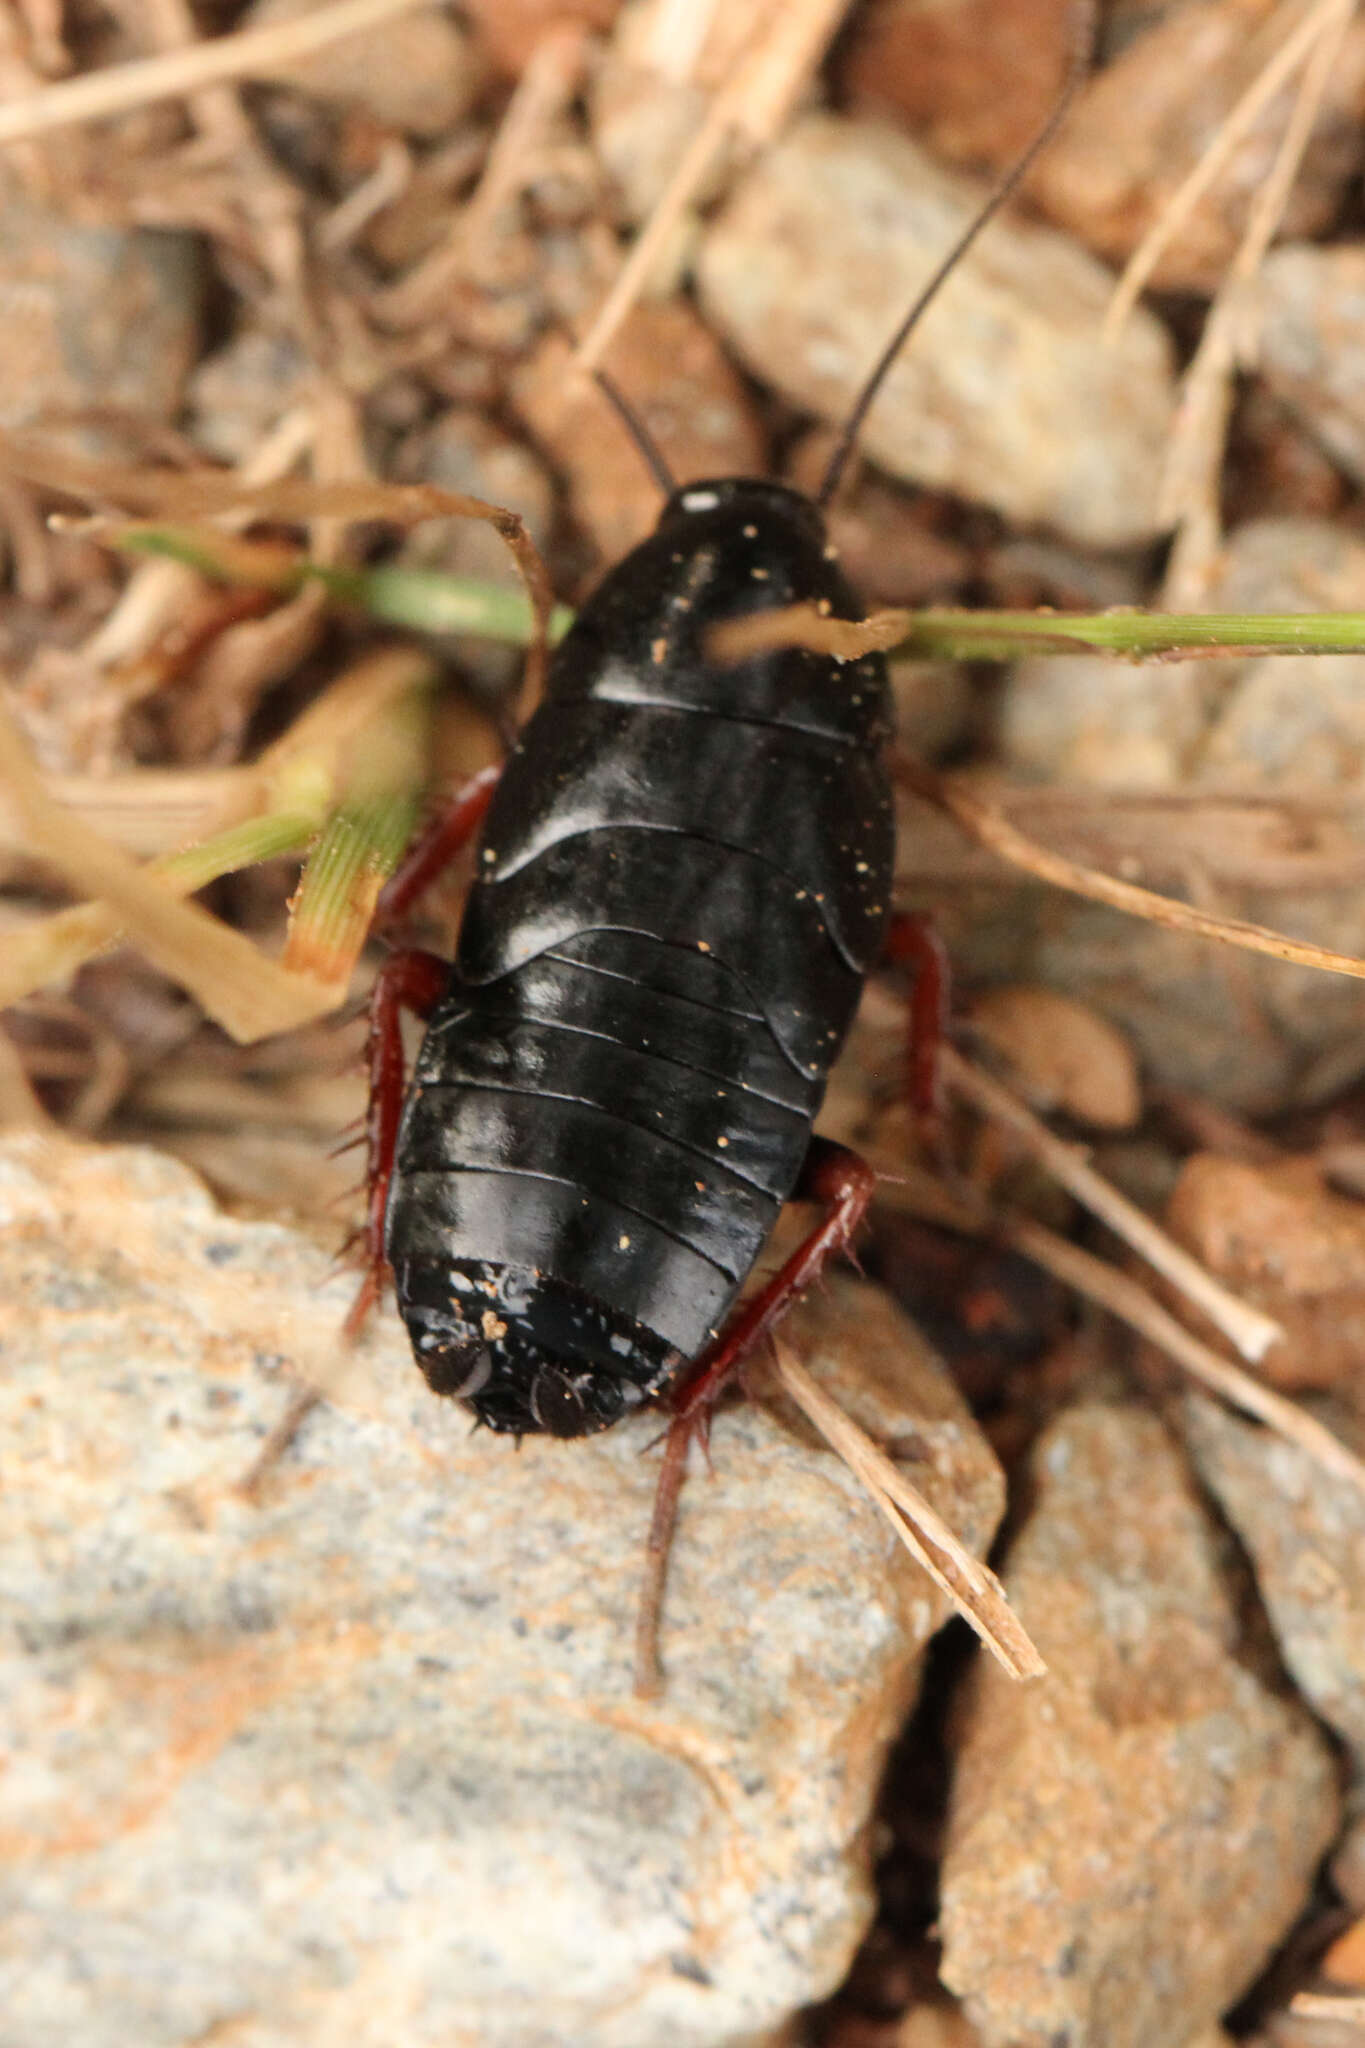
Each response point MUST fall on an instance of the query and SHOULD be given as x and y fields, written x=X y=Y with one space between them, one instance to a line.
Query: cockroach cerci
x=682 y=879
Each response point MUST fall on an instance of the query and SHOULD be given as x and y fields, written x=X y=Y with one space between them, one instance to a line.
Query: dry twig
x=986 y=823
x=1295 y=51
x=245 y=53
x=1251 y=1332
x=1339 y=2006
x=780 y=55
x=186 y=496
x=921 y=1193
x=972 y=1587
x=1132 y=1304
x=1194 y=461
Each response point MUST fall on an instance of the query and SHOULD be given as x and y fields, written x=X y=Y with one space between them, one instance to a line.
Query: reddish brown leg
x=436 y=846
x=407 y=981
x=413 y=981
x=912 y=941
x=844 y=1183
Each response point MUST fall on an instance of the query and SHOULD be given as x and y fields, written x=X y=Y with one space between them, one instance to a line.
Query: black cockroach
x=682 y=880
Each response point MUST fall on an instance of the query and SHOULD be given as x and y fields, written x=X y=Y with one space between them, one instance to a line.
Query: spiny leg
x=408 y=980
x=411 y=981
x=844 y=1183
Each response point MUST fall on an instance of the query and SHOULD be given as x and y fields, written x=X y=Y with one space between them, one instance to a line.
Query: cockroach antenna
x=648 y=448
x=1013 y=178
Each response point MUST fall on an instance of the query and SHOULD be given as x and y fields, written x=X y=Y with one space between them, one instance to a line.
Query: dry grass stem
x=388 y=181
x=234 y=983
x=1274 y=76
x=1333 y=18
x=1301 y=840
x=150 y=811
x=552 y=76
x=1343 y=2007
x=972 y=1587
x=299 y=1407
x=187 y=496
x=1191 y=483
x=190 y=495
x=674 y=35
x=987 y=824
x=1251 y=1332
x=352 y=734
x=216 y=110
x=245 y=53
x=1132 y=1304
x=51 y=948
x=633 y=277
x=780 y=56
x=782 y=61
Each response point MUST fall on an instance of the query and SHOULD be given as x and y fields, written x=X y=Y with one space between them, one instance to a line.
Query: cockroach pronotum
x=682 y=880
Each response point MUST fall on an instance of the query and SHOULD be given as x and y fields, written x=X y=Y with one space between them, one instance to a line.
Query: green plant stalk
x=428 y=601
x=1135 y=636
x=55 y=946
x=240 y=846
x=423 y=600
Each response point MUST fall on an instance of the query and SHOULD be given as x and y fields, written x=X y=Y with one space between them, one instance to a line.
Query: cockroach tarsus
x=682 y=879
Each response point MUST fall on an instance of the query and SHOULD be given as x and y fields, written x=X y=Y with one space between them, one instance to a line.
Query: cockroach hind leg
x=649 y=1677
x=844 y=1183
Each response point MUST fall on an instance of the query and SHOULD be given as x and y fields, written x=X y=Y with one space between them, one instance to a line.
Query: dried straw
x=1252 y=1332
x=246 y=53
x=972 y=1587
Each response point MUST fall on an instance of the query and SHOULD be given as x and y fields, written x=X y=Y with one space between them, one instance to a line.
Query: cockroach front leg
x=407 y=981
x=844 y=1183
x=436 y=846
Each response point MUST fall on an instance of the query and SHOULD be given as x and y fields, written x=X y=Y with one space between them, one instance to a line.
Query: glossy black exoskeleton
x=682 y=882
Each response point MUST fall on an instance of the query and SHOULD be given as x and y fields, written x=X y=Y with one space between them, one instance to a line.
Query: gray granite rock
x=1006 y=394
x=420 y=71
x=93 y=316
x=1309 y=303
x=1131 y=1836
x=360 y=1760
x=237 y=394
x=1304 y=1531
